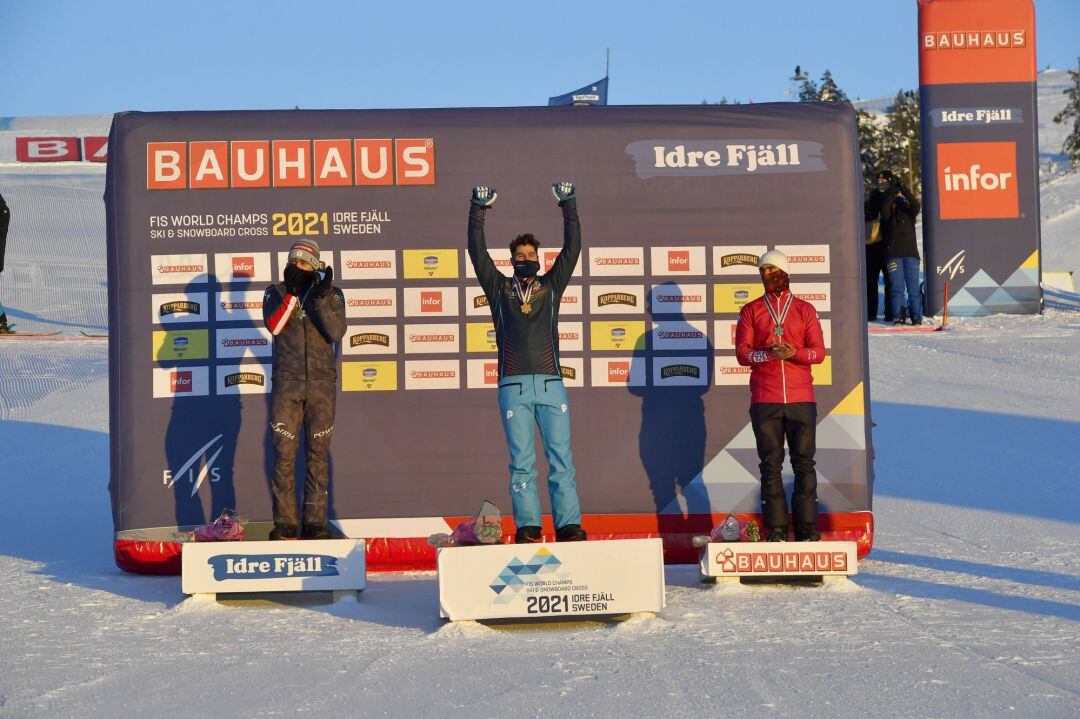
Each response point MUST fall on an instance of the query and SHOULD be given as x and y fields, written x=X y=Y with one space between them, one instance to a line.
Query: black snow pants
x=772 y=422
x=301 y=406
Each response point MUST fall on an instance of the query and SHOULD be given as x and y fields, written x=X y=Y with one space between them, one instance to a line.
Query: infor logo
x=977 y=180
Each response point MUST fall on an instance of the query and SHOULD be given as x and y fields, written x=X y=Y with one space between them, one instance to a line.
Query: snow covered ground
x=969 y=605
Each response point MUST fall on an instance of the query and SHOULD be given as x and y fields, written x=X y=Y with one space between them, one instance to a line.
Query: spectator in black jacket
x=876 y=259
x=5 y=218
x=896 y=208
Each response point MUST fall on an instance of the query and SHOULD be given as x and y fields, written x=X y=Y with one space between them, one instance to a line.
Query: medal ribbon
x=778 y=320
x=525 y=298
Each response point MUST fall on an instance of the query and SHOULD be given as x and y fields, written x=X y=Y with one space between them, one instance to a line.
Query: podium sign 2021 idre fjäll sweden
x=525 y=581
x=778 y=559
x=300 y=566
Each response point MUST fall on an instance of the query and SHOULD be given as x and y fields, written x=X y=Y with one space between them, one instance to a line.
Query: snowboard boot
x=5 y=328
x=528 y=535
x=897 y=322
x=807 y=533
x=916 y=321
x=315 y=531
x=570 y=533
x=777 y=534
x=282 y=531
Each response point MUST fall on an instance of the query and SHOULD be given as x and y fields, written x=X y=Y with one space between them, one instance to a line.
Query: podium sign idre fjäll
x=778 y=559
x=294 y=566
x=525 y=581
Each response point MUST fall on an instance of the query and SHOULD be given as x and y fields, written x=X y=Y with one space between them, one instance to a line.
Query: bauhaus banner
x=676 y=204
x=980 y=155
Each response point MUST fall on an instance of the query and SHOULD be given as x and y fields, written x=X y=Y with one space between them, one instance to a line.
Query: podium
x=734 y=560
x=533 y=581
x=212 y=568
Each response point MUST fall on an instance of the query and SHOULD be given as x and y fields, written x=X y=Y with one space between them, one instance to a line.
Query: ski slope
x=969 y=605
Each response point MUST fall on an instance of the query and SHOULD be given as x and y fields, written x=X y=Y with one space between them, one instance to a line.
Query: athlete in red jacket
x=779 y=337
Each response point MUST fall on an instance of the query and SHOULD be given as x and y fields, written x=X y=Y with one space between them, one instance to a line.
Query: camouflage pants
x=301 y=406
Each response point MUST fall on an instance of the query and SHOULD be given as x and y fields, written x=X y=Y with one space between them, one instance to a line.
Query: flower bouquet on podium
x=485 y=528
x=228 y=527
x=730 y=530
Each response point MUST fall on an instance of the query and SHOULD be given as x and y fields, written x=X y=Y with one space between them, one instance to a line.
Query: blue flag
x=594 y=94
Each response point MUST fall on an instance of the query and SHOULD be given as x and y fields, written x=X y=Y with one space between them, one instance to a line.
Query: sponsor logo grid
x=645 y=302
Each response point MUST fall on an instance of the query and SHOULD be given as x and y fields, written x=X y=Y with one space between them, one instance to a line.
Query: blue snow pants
x=524 y=402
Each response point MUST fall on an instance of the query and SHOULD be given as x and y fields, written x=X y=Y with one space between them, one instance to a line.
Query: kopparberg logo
x=272 y=566
x=680 y=370
x=236 y=378
x=654 y=158
x=509 y=582
x=179 y=307
x=369 y=338
x=187 y=470
x=739 y=258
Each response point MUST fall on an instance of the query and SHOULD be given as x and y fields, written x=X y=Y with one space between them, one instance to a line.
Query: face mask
x=883 y=185
x=526 y=268
x=775 y=281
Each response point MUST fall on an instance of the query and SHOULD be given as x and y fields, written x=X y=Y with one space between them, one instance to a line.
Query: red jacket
x=773 y=380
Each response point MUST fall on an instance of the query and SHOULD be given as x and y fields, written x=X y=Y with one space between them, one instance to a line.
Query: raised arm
x=490 y=277
x=563 y=267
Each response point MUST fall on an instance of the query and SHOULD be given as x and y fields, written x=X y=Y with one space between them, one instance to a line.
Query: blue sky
x=68 y=57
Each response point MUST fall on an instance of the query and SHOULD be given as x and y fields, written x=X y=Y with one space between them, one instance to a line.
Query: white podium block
x=288 y=566
x=529 y=581
x=779 y=559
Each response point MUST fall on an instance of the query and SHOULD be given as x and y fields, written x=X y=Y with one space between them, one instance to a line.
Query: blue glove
x=484 y=196
x=563 y=191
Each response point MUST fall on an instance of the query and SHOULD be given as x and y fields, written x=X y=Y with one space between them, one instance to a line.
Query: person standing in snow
x=306 y=315
x=5 y=220
x=896 y=207
x=779 y=337
x=525 y=311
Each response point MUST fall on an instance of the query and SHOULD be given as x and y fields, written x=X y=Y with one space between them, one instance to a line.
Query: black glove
x=322 y=289
x=296 y=279
x=484 y=196
x=563 y=191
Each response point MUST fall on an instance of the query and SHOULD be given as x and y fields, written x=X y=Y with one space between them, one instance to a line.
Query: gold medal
x=526 y=308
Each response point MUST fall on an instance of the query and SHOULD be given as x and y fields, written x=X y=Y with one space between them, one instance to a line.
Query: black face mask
x=884 y=185
x=526 y=268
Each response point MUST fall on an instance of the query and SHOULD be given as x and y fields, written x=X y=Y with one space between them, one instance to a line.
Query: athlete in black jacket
x=306 y=315
x=525 y=310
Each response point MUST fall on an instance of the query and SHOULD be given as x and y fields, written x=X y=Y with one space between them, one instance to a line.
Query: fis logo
x=197 y=467
x=977 y=180
x=954 y=266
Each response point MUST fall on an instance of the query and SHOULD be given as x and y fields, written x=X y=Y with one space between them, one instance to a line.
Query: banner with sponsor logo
x=676 y=205
x=977 y=76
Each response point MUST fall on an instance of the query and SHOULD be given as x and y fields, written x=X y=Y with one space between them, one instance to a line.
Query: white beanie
x=774 y=257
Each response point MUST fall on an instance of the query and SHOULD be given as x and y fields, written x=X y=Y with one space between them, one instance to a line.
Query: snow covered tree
x=829 y=90
x=808 y=91
x=901 y=140
x=1072 y=110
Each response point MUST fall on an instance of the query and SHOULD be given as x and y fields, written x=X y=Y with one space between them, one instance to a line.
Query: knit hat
x=306 y=250
x=774 y=257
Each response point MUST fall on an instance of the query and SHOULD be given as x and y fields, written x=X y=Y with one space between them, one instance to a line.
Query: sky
x=69 y=57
